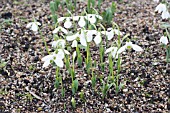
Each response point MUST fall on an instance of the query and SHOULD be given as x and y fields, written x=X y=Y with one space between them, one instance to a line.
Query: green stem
x=44 y=42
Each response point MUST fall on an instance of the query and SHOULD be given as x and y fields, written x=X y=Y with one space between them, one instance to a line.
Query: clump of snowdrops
x=163 y=7
x=75 y=34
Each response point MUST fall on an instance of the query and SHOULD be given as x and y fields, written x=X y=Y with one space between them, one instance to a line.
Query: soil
x=27 y=87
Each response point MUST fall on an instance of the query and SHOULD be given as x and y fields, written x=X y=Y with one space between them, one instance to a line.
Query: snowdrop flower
x=83 y=38
x=82 y=22
x=164 y=40
x=57 y=58
x=72 y=37
x=113 y=51
x=74 y=54
x=130 y=45
x=56 y=30
x=109 y=33
x=161 y=8
x=61 y=19
x=165 y=14
x=92 y=18
x=33 y=26
x=90 y=34
x=117 y=32
x=74 y=43
x=98 y=38
x=156 y=1
x=67 y=23
x=60 y=43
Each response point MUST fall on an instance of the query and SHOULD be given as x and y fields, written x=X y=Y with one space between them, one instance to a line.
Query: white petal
x=29 y=25
x=116 y=31
x=109 y=50
x=46 y=63
x=164 y=40
x=76 y=18
x=74 y=43
x=114 y=53
x=83 y=38
x=161 y=8
x=82 y=22
x=156 y=1
x=63 y=30
x=74 y=54
x=59 y=62
x=72 y=37
x=90 y=34
x=91 y=18
x=34 y=27
x=123 y=48
x=55 y=30
x=98 y=38
x=99 y=17
x=60 y=54
x=165 y=15
x=46 y=58
x=38 y=23
x=67 y=23
x=136 y=47
x=61 y=19
x=59 y=43
x=66 y=52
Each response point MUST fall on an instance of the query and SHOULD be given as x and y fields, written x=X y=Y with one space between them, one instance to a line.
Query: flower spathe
x=164 y=40
x=129 y=45
x=33 y=26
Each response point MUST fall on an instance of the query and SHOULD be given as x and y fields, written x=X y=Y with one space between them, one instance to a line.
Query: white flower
x=156 y=1
x=130 y=45
x=56 y=30
x=165 y=14
x=74 y=43
x=59 y=43
x=98 y=38
x=57 y=58
x=72 y=37
x=109 y=33
x=74 y=55
x=164 y=40
x=89 y=34
x=33 y=26
x=82 y=22
x=117 y=32
x=61 y=19
x=161 y=8
x=67 y=23
x=113 y=51
x=83 y=38
x=92 y=18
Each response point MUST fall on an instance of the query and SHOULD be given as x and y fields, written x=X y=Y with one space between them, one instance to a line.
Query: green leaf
x=3 y=64
x=165 y=25
x=52 y=7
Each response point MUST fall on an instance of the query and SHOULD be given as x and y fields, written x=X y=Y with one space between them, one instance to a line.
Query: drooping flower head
x=164 y=40
x=129 y=45
x=33 y=26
